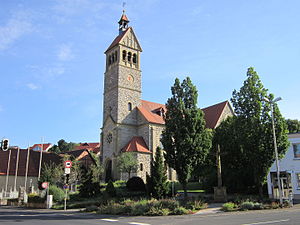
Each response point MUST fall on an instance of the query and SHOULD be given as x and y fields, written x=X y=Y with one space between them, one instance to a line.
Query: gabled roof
x=212 y=114
x=149 y=109
x=136 y=144
x=93 y=147
x=117 y=40
x=45 y=146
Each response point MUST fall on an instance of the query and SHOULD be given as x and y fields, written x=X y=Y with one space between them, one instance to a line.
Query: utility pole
x=7 y=171
x=41 y=157
x=26 y=171
x=17 y=167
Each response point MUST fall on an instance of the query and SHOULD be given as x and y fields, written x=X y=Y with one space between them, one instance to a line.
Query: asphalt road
x=49 y=217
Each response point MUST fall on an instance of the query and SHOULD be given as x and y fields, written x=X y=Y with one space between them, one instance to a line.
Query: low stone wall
x=36 y=205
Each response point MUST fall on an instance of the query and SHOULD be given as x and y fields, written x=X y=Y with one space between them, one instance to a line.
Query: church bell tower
x=122 y=94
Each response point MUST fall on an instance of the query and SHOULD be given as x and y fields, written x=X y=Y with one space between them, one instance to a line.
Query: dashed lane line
x=136 y=223
x=110 y=220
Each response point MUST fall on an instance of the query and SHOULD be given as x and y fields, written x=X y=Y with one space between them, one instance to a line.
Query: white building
x=289 y=171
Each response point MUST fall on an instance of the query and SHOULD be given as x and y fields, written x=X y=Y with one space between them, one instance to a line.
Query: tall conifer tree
x=185 y=139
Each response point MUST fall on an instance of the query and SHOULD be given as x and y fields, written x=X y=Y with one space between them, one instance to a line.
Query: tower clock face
x=130 y=78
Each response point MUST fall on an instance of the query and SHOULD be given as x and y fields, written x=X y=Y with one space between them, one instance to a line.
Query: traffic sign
x=45 y=185
x=68 y=164
x=66 y=186
x=67 y=170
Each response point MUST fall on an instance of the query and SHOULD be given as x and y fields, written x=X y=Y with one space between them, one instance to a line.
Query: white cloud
x=65 y=53
x=32 y=86
x=17 y=26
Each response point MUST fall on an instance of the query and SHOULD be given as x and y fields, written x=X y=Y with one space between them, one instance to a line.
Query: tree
x=293 y=126
x=88 y=187
x=51 y=173
x=185 y=139
x=127 y=163
x=159 y=175
x=97 y=168
x=247 y=139
x=62 y=146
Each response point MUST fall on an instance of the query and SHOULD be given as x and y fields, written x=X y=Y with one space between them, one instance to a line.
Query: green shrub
x=229 y=206
x=247 y=205
x=195 y=205
x=58 y=193
x=169 y=204
x=136 y=184
x=110 y=189
x=258 y=206
x=34 y=198
x=180 y=211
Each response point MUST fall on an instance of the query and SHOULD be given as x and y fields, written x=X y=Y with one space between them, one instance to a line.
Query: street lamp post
x=275 y=146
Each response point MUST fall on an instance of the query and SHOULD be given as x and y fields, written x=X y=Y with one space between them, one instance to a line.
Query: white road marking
x=267 y=222
x=136 y=223
x=110 y=220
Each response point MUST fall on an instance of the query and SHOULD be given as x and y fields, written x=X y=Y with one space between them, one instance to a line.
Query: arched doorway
x=108 y=170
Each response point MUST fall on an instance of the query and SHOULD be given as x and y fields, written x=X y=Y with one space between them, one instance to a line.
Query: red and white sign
x=45 y=185
x=68 y=164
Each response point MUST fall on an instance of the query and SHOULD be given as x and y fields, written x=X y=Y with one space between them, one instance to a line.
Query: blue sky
x=52 y=57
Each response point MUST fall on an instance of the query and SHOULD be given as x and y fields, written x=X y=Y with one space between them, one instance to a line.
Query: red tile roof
x=148 y=109
x=136 y=144
x=45 y=146
x=124 y=17
x=94 y=147
x=117 y=40
x=213 y=113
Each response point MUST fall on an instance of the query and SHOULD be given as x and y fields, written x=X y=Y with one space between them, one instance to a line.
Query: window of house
x=129 y=106
x=134 y=58
x=298 y=180
x=141 y=167
x=296 y=148
x=124 y=55
x=129 y=56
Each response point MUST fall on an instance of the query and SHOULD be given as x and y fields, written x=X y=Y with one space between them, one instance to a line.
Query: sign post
x=68 y=165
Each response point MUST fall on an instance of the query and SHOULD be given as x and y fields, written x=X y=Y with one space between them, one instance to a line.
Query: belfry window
x=134 y=58
x=116 y=56
x=112 y=58
x=129 y=57
x=124 y=55
x=141 y=167
x=129 y=106
x=109 y=60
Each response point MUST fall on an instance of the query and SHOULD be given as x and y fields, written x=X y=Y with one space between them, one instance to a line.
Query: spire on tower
x=123 y=22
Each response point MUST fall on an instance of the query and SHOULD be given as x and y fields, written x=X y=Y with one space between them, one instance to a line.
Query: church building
x=131 y=124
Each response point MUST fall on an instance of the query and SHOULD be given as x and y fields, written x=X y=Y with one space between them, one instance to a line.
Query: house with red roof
x=131 y=124
x=38 y=147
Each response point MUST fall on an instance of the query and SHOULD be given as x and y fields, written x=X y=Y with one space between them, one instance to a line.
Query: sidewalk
x=211 y=209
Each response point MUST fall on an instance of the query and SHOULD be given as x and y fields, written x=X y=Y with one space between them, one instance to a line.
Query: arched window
x=134 y=58
x=129 y=56
x=116 y=56
x=129 y=106
x=113 y=58
x=141 y=167
x=109 y=60
x=124 y=55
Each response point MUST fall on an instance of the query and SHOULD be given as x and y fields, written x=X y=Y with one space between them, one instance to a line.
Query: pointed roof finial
x=123 y=22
